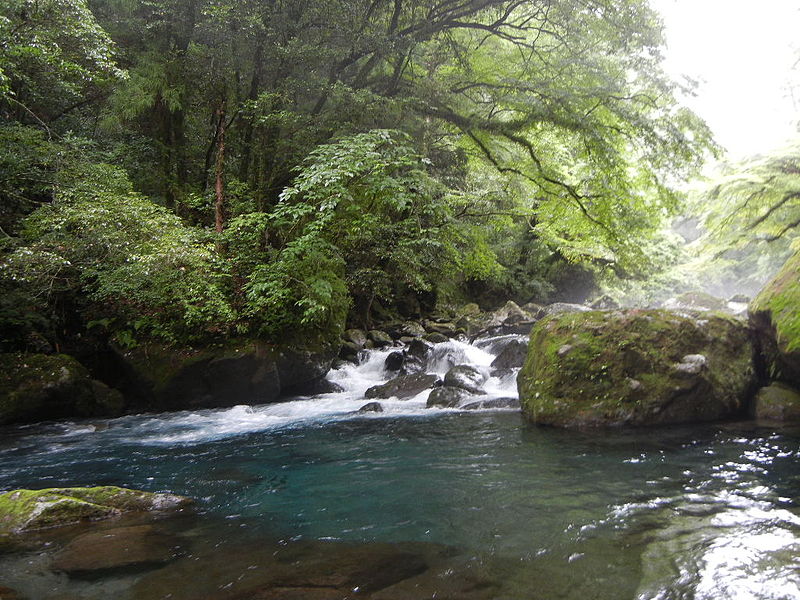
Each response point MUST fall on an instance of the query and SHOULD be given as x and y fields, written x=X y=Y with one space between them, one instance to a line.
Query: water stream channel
x=495 y=507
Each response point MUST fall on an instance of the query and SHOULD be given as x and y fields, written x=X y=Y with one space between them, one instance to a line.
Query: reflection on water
x=308 y=500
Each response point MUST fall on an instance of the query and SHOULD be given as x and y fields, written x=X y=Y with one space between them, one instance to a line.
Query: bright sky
x=742 y=53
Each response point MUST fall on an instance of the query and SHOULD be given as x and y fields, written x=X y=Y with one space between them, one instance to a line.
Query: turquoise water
x=682 y=513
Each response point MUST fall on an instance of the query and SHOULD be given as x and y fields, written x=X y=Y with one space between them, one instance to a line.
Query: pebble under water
x=307 y=499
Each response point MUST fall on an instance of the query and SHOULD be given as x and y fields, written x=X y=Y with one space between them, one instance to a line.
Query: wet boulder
x=403 y=386
x=435 y=338
x=120 y=550
x=448 y=397
x=466 y=377
x=512 y=356
x=696 y=300
x=375 y=407
x=27 y=510
x=357 y=337
x=380 y=339
x=492 y=403
x=39 y=387
x=394 y=361
x=559 y=308
x=778 y=402
x=637 y=367
x=775 y=316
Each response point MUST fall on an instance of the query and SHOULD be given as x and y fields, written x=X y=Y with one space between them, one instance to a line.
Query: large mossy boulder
x=636 y=367
x=28 y=510
x=778 y=403
x=237 y=372
x=39 y=387
x=775 y=315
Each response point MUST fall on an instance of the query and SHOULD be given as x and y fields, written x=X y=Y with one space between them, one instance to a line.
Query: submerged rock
x=404 y=386
x=778 y=402
x=124 y=549
x=371 y=407
x=637 y=367
x=27 y=510
x=775 y=315
x=492 y=403
x=466 y=377
x=38 y=387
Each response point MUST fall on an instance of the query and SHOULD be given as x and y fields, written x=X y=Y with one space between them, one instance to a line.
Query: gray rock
x=371 y=407
x=404 y=386
x=465 y=377
x=558 y=308
x=412 y=329
x=356 y=336
x=492 y=404
x=448 y=397
x=394 y=362
x=420 y=348
x=436 y=338
x=123 y=549
x=381 y=339
x=778 y=402
x=512 y=356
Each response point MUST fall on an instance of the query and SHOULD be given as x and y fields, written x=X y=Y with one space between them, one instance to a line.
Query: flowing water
x=510 y=511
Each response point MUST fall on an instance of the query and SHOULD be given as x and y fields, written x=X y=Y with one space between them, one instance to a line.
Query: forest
x=386 y=299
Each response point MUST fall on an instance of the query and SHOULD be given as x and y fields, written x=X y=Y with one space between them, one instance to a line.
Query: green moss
x=620 y=367
x=25 y=510
x=780 y=299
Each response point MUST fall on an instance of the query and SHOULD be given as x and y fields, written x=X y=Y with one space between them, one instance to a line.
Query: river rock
x=493 y=403
x=39 y=387
x=559 y=308
x=637 y=367
x=102 y=553
x=381 y=339
x=371 y=407
x=778 y=402
x=512 y=356
x=466 y=377
x=604 y=302
x=26 y=510
x=775 y=316
x=435 y=338
x=394 y=361
x=357 y=337
x=447 y=397
x=696 y=300
x=404 y=386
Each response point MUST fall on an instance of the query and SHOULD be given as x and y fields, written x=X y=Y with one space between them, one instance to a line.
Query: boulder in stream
x=404 y=386
x=637 y=367
x=39 y=387
x=448 y=397
x=778 y=403
x=467 y=378
x=123 y=549
x=27 y=510
x=775 y=316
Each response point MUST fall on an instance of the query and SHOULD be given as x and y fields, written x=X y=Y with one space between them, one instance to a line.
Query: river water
x=513 y=511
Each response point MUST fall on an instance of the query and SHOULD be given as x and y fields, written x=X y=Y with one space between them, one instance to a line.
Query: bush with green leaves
x=146 y=273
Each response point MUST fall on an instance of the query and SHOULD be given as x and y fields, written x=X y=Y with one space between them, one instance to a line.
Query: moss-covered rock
x=778 y=402
x=27 y=510
x=237 y=372
x=636 y=367
x=37 y=387
x=775 y=315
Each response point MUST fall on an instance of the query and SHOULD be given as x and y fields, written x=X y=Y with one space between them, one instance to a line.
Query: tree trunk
x=219 y=179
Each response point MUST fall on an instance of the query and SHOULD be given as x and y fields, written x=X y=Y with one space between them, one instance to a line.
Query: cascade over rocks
x=637 y=367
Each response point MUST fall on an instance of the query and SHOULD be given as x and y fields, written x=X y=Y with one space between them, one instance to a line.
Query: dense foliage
x=187 y=170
